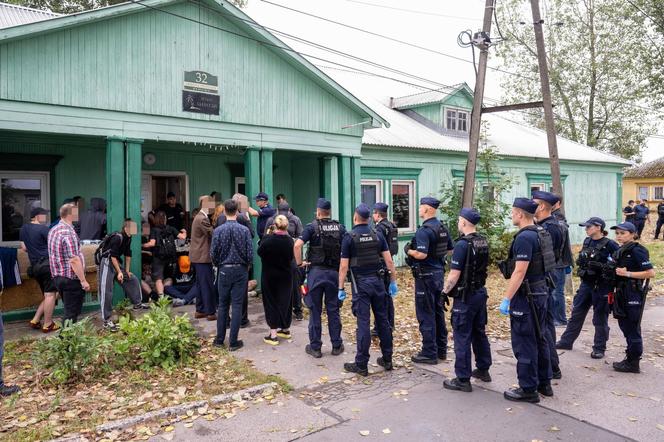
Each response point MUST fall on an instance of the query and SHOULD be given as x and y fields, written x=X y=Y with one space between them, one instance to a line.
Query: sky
x=432 y=24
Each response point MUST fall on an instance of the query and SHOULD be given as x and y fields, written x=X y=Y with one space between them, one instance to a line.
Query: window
x=488 y=192
x=240 y=186
x=20 y=192
x=372 y=192
x=643 y=192
x=659 y=192
x=457 y=120
x=537 y=186
x=403 y=205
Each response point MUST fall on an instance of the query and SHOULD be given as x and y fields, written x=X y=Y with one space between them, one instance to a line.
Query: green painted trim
x=36 y=163
x=345 y=202
x=252 y=179
x=326 y=175
x=543 y=177
x=460 y=174
x=28 y=313
x=393 y=172
x=357 y=181
x=133 y=198
x=267 y=181
x=619 y=192
x=115 y=193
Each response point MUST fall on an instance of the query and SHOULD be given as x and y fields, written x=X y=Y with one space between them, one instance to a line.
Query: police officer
x=544 y=217
x=531 y=253
x=391 y=234
x=594 y=289
x=641 y=212
x=465 y=283
x=660 y=218
x=324 y=236
x=632 y=266
x=628 y=211
x=426 y=256
x=361 y=250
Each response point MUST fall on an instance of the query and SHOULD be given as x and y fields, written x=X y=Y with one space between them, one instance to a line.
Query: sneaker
x=596 y=354
x=545 y=390
x=518 y=395
x=177 y=302
x=352 y=367
x=336 y=351
x=8 y=390
x=387 y=365
x=627 y=366
x=270 y=340
x=482 y=375
x=217 y=343
x=457 y=385
x=285 y=334
x=561 y=346
x=315 y=353
x=419 y=359
x=110 y=326
x=298 y=316
x=141 y=306
x=238 y=345
x=50 y=328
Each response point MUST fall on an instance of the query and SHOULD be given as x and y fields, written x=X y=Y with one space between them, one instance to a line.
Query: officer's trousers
x=586 y=296
x=640 y=225
x=658 y=227
x=429 y=313
x=533 y=367
x=549 y=330
x=370 y=295
x=631 y=325
x=390 y=303
x=322 y=284
x=468 y=324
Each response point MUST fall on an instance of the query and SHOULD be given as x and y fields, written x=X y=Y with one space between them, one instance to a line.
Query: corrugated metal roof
x=426 y=97
x=511 y=137
x=14 y=15
x=653 y=169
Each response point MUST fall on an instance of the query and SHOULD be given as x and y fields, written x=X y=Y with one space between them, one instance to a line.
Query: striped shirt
x=63 y=245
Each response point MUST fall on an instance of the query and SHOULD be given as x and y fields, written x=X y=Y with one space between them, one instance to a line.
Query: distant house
x=644 y=182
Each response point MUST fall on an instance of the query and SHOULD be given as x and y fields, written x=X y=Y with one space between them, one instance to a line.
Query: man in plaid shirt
x=67 y=263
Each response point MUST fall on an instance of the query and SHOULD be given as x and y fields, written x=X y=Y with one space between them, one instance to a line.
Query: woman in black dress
x=276 y=252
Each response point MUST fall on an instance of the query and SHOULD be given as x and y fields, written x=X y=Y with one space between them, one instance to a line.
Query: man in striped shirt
x=67 y=263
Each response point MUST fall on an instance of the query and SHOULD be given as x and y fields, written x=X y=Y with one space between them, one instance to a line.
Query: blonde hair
x=281 y=222
x=217 y=213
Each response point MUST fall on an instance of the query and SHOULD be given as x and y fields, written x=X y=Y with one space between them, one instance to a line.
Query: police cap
x=545 y=196
x=262 y=196
x=430 y=201
x=323 y=204
x=526 y=204
x=381 y=207
x=594 y=221
x=363 y=211
x=627 y=226
x=471 y=215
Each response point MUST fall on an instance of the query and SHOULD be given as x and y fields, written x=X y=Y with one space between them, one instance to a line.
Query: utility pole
x=546 y=98
x=476 y=117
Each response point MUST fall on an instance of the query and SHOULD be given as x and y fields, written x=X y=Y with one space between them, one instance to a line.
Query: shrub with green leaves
x=158 y=338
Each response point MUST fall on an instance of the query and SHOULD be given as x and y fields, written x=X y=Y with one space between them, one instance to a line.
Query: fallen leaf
x=365 y=432
x=189 y=425
x=355 y=410
x=169 y=428
x=386 y=431
x=660 y=427
x=553 y=428
x=632 y=419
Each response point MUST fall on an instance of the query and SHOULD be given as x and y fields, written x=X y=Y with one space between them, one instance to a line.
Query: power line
x=652 y=19
x=414 y=11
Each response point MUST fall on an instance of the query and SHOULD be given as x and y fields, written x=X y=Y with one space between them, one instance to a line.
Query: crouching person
x=111 y=268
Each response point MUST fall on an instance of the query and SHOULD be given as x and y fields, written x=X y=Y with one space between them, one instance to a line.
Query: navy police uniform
x=593 y=291
x=433 y=239
x=324 y=237
x=390 y=232
x=641 y=212
x=660 y=219
x=469 y=313
x=364 y=246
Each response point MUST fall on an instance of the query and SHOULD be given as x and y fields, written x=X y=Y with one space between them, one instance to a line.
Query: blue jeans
x=2 y=347
x=232 y=286
x=557 y=303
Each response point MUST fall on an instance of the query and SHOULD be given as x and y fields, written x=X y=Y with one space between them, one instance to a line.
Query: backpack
x=103 y=251
x=391 y=234
x=165 y=248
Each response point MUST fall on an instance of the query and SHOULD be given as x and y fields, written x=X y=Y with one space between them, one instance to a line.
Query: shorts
x=43 y=276
x=158 y=267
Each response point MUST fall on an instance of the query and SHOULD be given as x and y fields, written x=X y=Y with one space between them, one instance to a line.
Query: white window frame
x=412 y=207
x=457 y=120
x=45 y=183
x=661 y=192
x=540 y=186
x=647 y=192
x=379 y=187
x=239 y=180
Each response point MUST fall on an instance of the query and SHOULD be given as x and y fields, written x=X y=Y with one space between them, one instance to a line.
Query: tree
x=73 y=6
x=597 y=82
x=652 y=12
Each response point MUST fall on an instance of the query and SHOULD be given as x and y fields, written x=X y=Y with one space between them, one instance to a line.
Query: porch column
x=252 y=180
x=619 y=194
x=345 y=201
x=329 y=185
x=356 y=164
x=115 y=192
x=134 y=158
x=266 y=173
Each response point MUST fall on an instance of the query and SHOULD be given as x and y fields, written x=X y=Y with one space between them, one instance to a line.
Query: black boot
x=336 y=351
x=482 y=375
x=545 y=390
x=419 y=359
x=627 y=366
x=518 y=395
x=557 y=374
x=8 y=390
x=458 y=385
x=387 y=365
x=315 y=353
x=352 y=367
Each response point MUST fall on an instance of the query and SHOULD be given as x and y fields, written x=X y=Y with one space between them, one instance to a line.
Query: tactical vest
x=367 y=249
x=328 y=251
x=588 y=261
x=438 y=248
x=391 y=234
x=477 y=261
x=544 y=260
x=562 y=227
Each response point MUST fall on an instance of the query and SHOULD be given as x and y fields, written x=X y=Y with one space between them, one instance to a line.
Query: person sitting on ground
x=276 y=252
x=148 y=288
x=34 y=241
x=111 y=268
x=183 y=289
x=162 y=244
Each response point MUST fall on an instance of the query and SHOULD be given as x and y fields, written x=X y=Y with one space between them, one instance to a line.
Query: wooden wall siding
x=459 y=99
x=136 y=63
x=81 y=171
x=431 y=112
x=590 y=189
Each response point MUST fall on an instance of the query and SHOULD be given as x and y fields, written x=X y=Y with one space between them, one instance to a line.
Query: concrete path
x=591 y=402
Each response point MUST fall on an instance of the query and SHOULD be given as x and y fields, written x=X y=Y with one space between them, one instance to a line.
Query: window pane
x=18 y=197
x=659 y=193
x=369 y=194
x=451 y=120
x=643 y=193
x=463 y=121
x=537 y=186
x=401 y=200
x=488 y=192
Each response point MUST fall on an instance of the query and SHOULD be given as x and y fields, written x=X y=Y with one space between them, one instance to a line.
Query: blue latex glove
x=341 y=295
x=393 y=289
x=505 y=306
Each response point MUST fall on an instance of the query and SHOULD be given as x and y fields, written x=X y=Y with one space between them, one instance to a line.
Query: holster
x=506 y=267
x=619 y=306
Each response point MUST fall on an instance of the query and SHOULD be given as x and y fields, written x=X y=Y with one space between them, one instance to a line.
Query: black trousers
x=295 y=291
x=658 y=228
x=72 y=294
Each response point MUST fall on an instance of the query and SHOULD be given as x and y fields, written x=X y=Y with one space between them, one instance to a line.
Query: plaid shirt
x=63 y=244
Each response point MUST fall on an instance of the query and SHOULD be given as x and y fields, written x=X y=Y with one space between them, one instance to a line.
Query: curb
x=175 y=410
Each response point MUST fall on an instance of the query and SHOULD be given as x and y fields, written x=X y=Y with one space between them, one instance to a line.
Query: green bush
x=158 y=338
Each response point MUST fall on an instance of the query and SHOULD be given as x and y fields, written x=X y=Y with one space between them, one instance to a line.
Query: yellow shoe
x=270 y=340
x=285 y=334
